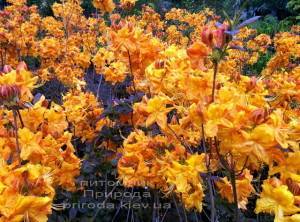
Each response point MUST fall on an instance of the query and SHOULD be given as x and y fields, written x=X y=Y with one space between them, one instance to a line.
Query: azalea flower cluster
x=37 y=154
x=201 y=123
x=36 y=150
x=241 y=123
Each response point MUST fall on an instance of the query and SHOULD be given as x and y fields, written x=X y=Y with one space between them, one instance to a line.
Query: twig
x=98 y=89
x=163 y=218
x=243 y=168
x=205 y=214
x=154 y=214
x=196 y=216
x=231 y=169
x=184 y=211
x=20 y=117
x=158 y=204
x=180 y=140
x=2 y=61
x=234 y=190
x=220 y=157
x=16 y=131
x=177 y=209
x=129 y=205
x=131 y=71
x=132 y=216
x=216 y=64
x=119 y=208
x=128 y=214
x=209 y=180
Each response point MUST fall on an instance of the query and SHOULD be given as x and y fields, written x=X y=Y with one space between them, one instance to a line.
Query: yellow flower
x=17 y=208
x=184 y=179
x=194 y=199
x=276 y=199
x=139 y=164
x=83 y=111
x=26 y=192
x=157 y=110
x=35 y=177
x=30 y=148
x=264 y=134
x=33 y=117
x=197 y=52
x=50 y=48
x=102 y=58
x=104 y=5
x=243 y=186
x=293 y=218
x=22 y=78
x=197 y=162
x=127 y=3
x=56 y=120
x=17 y=2
x=116 y=72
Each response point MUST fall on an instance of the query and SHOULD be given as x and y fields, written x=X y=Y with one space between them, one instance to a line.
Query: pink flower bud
x=219 y=38
x=207 y=36
x=7 y=69
x=21 y=66
x=9 y=93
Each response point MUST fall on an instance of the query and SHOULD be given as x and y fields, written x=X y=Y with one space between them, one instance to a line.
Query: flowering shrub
x=166 y=100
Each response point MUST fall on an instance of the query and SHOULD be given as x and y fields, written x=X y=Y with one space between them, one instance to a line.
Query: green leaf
x=228 y=19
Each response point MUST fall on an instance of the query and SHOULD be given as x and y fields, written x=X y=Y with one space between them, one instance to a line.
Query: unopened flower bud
x=7 y=69
x=159 y=64
x=236 y=76
x=220 y=36
x=259 y=116
x=251 y=85
x=9 y=94
x=21 y=66
x=207 y=36
x=215 y=38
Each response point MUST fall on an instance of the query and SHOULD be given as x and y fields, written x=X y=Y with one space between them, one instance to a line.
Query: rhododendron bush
x=163 y=103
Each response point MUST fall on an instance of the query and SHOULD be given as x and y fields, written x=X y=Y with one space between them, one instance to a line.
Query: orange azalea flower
x=16 y=208
x=139 y=163
x=276 y=199
x=104 y=5
x=184 y=180
x=154 y=110
x=26 y=193
x=21 y=78
x=197 y=53
x=83 y=111
x=30 y=148
x=127 y=4
x=243 y=186
x=214 y=38
x=116 y=72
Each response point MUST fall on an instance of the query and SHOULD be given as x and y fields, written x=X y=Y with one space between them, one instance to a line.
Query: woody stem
x=177 y=209
x=131 y=71
x=20 y=117
x=16 y=130
x=231 y=170
x=234 y=190
x=216 y=64
x=209 y=180
x=2 y=61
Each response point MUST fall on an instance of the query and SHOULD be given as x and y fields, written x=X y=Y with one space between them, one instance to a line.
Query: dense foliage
x=178 y=114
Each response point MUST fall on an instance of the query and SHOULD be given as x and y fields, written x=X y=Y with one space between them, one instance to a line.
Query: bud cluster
x=9 y=94
x=215 y=38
